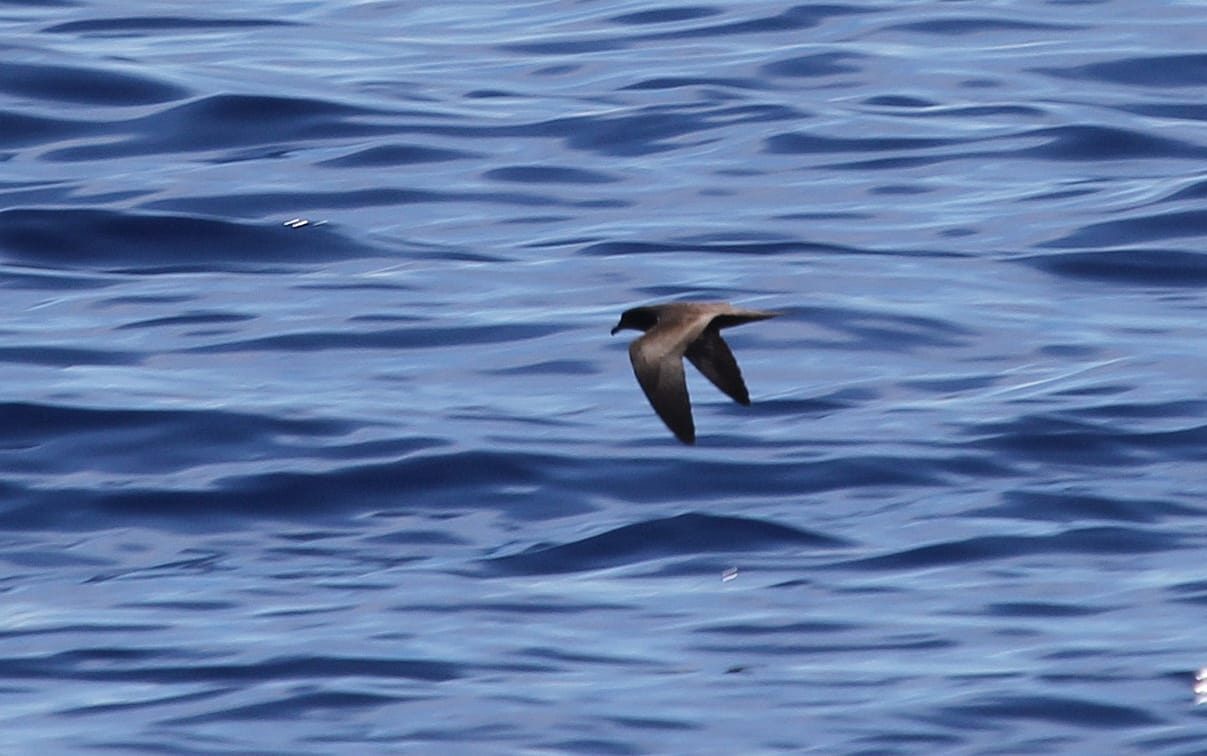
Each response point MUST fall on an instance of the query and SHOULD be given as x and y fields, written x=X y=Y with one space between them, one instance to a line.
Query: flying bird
x=685 y=329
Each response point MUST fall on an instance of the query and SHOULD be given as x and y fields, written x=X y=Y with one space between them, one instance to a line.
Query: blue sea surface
x=313 y=438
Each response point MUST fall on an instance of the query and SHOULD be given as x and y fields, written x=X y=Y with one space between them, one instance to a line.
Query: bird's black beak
x=614 y=330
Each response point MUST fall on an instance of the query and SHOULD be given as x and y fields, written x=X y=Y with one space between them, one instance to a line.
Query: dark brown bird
x=685 y=329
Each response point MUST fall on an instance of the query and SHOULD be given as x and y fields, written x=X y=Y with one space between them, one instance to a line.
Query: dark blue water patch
x=954 y=385
x=895 y=163
x=1041 y=609
x=824 y=216
x=1186 y=111
x=818 y=405
x=1077 y=506
x=1136 y=267
x=1177 y=409
x=289 y=707
x=989 y=111
x=1007 y=712
x=653 y=723
x=412 y=537
x=244 y=121
x=88 y=86
x=151 y=300
x=588 y=746
x=570 y=46
x=227 y=121
x=375 y=317
x=788 y=629
x=632 y=132
x=47 y=280
x=131 y=26
x=662 y=480
x=958 y=233
x=682 y=535
x=1084 y=352
x=678 y=82
x=548 y=174
x=1192 y=592
x=1103 y=540
x=21 y=129
x=1066 y=440
x=387 y=338
x=139 y=665
x=1046 y=197
x=801 y=144
x=387 y=155
x=1185 y=741
x=59 y=440
x=44 y=559
x=1135 y=230
x=1078 y=142
x=604 y=204
x=666 y=15
x=871 y=330
x=83 y=629
x=905 y=106
x=1166 y=71
x=793 y=19
x=548 y=367
x=817 y=64
x=969 y=25
x=1096 y=142
x=490 y=94
x=236 y=205
x=572 y=658
x=62 y=357
x=510 y=610
x=900 y=101
x=104 y=658
x=188 y=319
x=903 y=189
x=475 y=480
x=777 y=649
x=904 y=742
x=184 y=605
x=654 y=129
x=116 y=240
x=562 y=69
x=620 y=248
x=194 y=562
x=1195 y=191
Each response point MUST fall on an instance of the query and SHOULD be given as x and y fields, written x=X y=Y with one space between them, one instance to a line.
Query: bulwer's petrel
x=685 y=329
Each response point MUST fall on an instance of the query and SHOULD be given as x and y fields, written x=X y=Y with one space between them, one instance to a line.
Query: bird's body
x=685 y=329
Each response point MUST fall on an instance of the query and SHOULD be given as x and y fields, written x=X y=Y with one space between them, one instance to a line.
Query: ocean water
x=313 y=439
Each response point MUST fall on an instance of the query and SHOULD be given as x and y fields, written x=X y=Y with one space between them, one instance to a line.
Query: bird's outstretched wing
x=711 y=356
x=660 y=372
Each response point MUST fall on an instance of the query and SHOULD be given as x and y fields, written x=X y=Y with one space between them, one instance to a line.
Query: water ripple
x=1169 y=71
x=685 y=534
x=108 y=239
x=91 y=86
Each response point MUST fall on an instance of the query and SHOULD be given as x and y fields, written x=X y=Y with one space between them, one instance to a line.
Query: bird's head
x=638 y=319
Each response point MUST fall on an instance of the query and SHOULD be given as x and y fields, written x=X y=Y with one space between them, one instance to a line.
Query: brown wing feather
x=661 y=377
x=712 y=357
x=736 y=317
